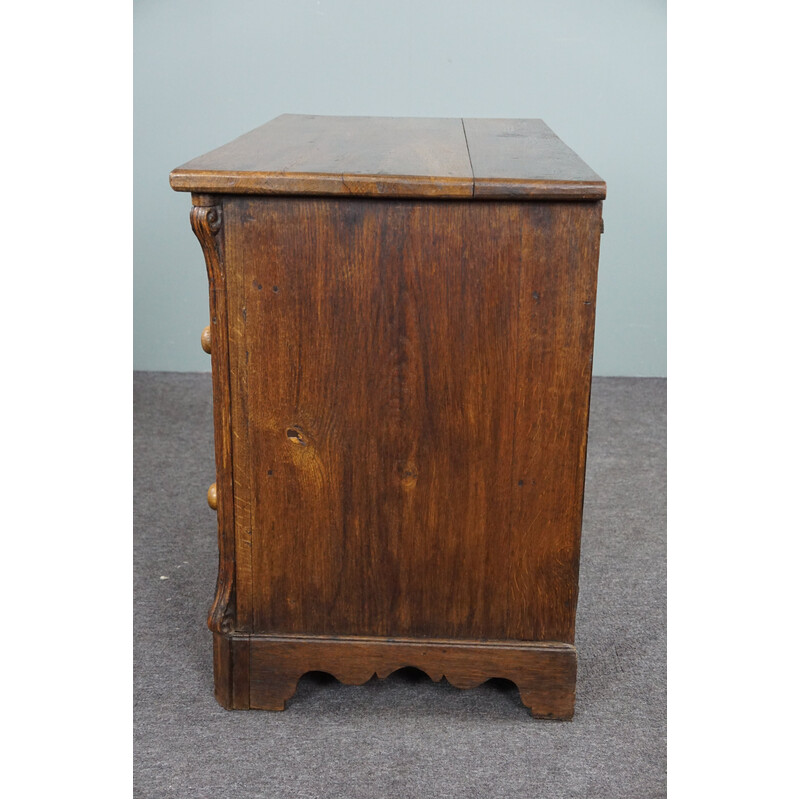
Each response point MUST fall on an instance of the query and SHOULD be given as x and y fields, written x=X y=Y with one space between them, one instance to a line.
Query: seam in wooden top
x=469 y=156
x=395 y=158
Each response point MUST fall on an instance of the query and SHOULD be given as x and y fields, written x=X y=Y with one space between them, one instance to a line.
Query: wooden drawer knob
x=205 y=339
x=212 y=496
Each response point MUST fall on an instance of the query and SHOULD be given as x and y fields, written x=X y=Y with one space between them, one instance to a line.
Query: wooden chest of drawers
x=402 y=321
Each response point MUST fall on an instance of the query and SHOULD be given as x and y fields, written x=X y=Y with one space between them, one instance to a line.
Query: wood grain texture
x=223 y=670
x=232 y=671
x=401 y=370
x=416 y=444
x=524 y=158
x=387 y=156
x=262 y=672
x=394 y=157
x=206 y=221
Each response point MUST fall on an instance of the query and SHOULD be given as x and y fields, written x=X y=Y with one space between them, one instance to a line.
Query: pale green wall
x=205 y=72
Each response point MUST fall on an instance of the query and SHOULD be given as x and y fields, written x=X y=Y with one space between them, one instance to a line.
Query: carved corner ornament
x=206 y=221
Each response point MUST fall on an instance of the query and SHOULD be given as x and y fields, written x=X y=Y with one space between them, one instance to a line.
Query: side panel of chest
x=411 y=389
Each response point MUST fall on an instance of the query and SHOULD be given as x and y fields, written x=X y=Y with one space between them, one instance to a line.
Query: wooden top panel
x=393 y=157
x=524 y=158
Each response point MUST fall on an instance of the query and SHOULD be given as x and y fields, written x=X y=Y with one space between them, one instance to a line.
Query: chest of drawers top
x=395 y=157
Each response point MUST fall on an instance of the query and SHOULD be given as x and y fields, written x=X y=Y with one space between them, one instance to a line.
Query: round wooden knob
x=212 y=496
x=205 y=339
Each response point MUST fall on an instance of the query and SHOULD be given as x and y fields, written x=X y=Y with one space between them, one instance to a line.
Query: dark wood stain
x=206 y=221
x=524 y=158
x=394 y=157
x=544 y=671
x=401 y=393
x=386 y=156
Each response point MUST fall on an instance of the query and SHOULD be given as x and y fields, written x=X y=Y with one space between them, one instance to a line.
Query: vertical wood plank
x=559 y=246
x=238 y=336
x=417 y=379
x=222 y=671
x=207 y=224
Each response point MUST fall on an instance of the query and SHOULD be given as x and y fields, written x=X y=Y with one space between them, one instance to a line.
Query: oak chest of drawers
x=401 y=334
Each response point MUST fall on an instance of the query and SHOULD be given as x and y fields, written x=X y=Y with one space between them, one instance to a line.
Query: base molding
x=261 y=672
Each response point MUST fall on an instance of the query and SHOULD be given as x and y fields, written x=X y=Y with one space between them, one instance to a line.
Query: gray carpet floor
x=405 y=736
